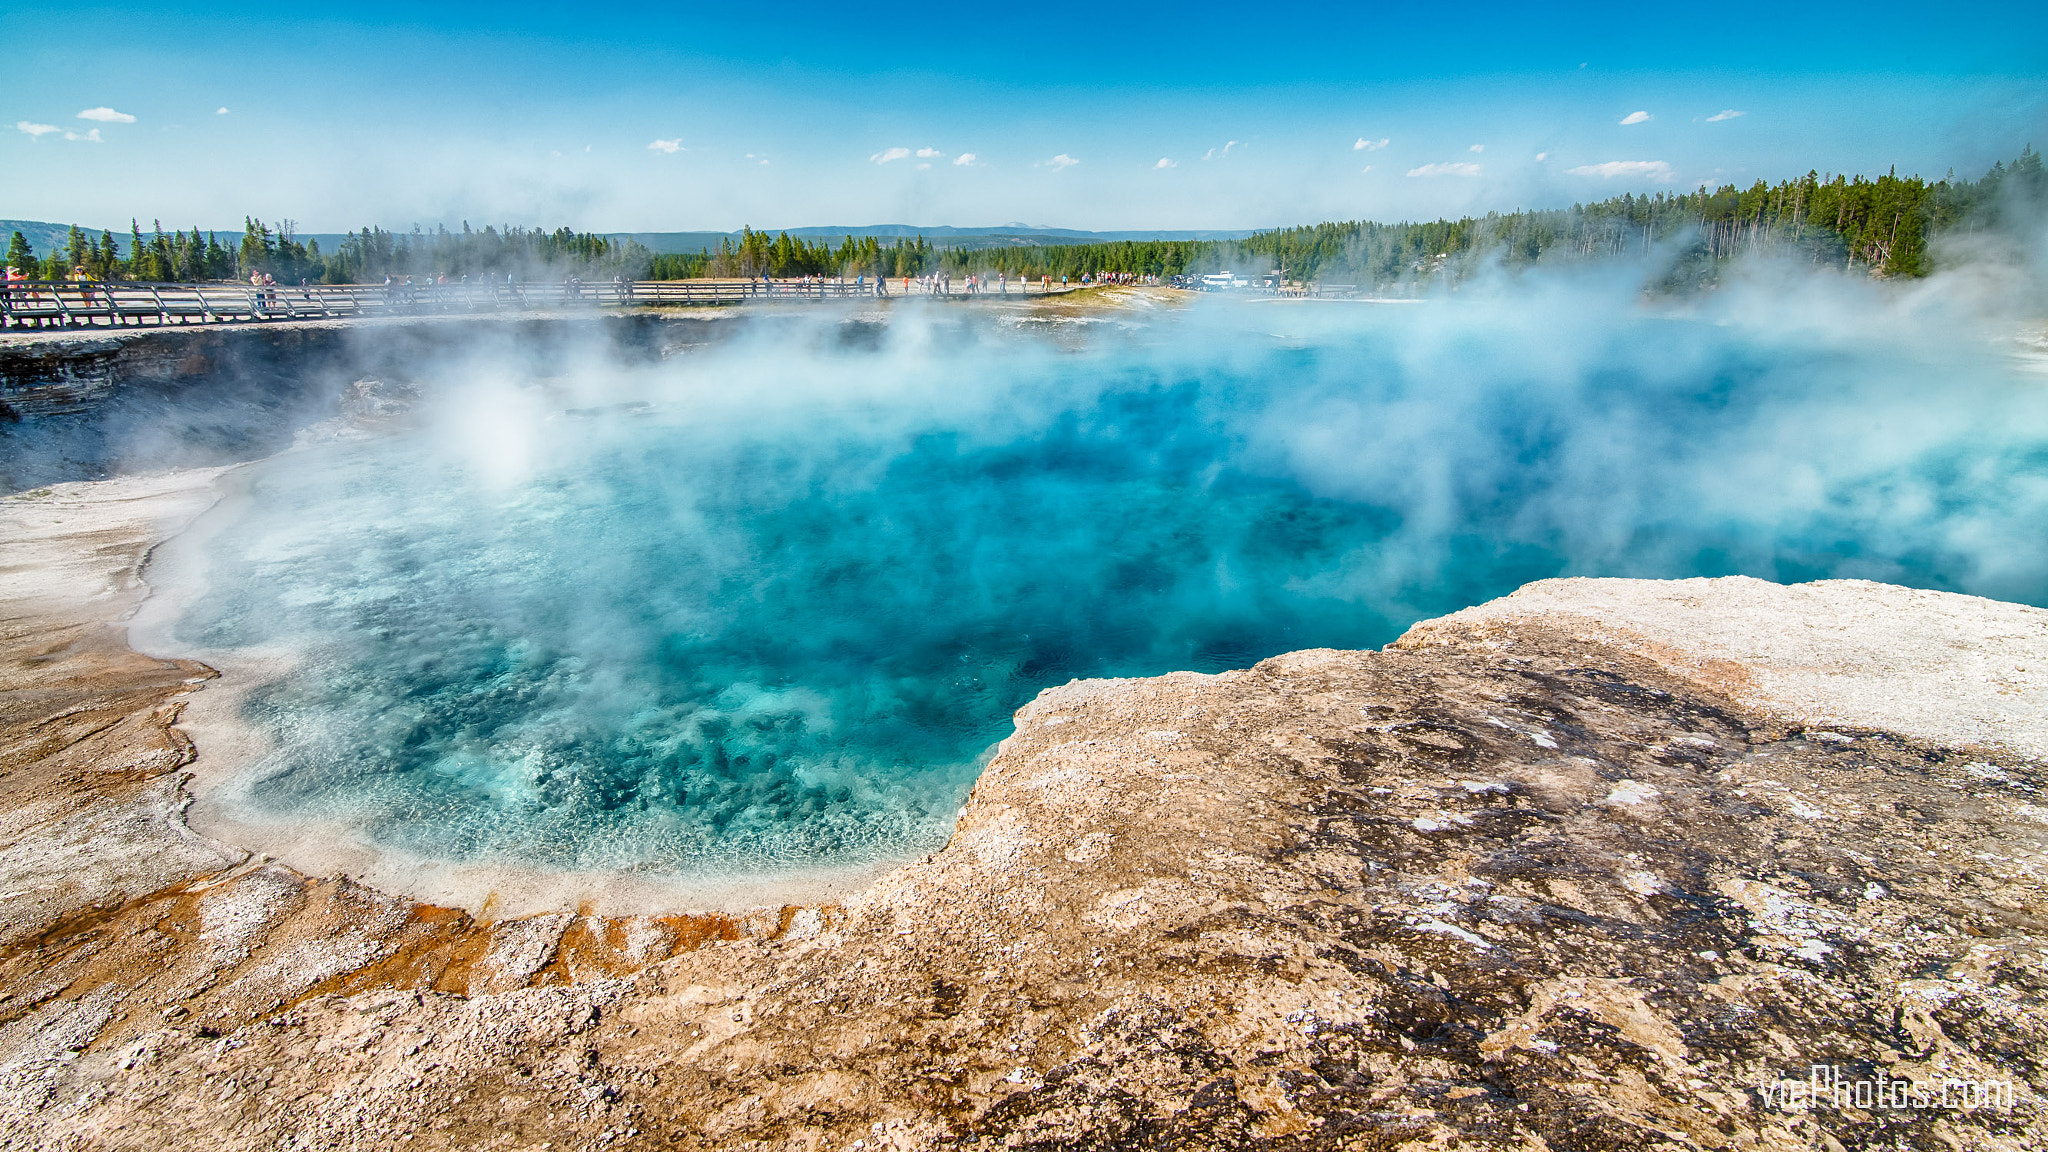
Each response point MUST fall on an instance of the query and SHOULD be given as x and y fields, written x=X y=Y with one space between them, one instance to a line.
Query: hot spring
x=765 y=607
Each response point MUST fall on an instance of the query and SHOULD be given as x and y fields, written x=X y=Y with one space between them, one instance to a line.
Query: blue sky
x=1102 y=116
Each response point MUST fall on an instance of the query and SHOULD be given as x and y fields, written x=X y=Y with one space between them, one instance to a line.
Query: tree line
x=1883 y=225
x=783 y=255
x=1887 y=226
x=367 y=256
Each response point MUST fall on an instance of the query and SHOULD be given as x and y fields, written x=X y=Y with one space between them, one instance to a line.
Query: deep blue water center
x=770 y=607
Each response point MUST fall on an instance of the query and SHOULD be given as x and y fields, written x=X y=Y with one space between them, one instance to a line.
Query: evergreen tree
x=160 y=254
x=106 y=258
x=21 y=256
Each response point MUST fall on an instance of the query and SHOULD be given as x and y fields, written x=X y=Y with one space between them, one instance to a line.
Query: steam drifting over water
x=767 y=605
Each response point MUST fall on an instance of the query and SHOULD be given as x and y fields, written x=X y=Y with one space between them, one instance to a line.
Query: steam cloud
x=765 y=604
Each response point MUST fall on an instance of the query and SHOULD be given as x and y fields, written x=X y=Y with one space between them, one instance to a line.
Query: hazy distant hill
x=43 y=235
x=997 y=236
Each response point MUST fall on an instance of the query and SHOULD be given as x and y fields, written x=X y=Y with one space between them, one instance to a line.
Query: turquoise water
x=768 y=606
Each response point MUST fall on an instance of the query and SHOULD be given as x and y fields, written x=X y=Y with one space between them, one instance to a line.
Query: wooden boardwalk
x=125 y=303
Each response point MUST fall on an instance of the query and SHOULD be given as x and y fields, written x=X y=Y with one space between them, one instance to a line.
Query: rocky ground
x=1592 y=867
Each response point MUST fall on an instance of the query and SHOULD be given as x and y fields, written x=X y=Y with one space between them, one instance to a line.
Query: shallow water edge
x=227 y=745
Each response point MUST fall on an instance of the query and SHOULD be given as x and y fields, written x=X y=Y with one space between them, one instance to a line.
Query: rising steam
x=766 y=603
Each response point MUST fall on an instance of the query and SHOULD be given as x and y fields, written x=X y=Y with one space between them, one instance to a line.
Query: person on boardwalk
x=17 y=296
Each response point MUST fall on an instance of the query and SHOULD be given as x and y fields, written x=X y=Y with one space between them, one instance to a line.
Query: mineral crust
x=1602 y=865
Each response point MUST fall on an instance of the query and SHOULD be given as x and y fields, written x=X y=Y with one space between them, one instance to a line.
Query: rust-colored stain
x=74 y=699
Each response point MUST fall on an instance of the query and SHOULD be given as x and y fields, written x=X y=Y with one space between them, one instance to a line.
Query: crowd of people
x=19 y=293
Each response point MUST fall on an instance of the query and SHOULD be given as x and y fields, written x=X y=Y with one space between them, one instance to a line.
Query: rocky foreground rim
x=1601 y=865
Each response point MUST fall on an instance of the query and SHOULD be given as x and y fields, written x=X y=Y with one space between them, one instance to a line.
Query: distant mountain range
x=43 y=235
x=997 y=236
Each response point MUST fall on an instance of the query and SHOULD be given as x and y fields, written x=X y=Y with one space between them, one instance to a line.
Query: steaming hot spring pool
x=766 y=607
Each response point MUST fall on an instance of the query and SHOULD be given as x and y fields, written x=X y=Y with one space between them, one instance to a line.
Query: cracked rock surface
x=1517 y=882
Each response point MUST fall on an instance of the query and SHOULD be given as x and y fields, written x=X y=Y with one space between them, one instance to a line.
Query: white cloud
x=1725 y=114
x=1445 y=170
x=1476 y=148
x=1364 y=145
x=92 y=136
x=924 y=167
x=885 y=156
x=757 y=157
x=964 y=160
x=1542 y=156
x=221 y=111
x=1654 y=169
x=1165 y=163
x=1364 y=170
x=106 y=116
x=1061 y=161
x=1216 y=153
x=1635 y=118
x=669 y=146
x=928 y=153
x=36 y=130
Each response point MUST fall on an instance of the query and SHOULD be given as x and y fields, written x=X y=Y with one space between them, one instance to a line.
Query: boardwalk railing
x=117 y=303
